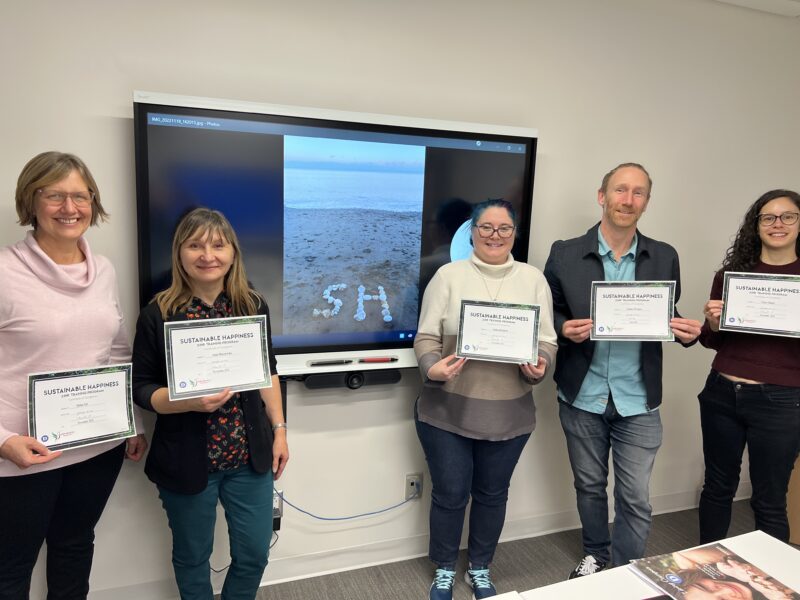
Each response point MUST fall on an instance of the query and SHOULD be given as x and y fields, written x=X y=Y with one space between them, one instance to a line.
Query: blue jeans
x=634 y=442
x=246 y=497
x=461 y=467
x=764 y=417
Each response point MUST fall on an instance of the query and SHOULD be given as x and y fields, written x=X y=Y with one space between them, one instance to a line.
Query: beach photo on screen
x=352 y=224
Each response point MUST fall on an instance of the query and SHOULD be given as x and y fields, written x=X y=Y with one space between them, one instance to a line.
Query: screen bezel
x=315 y=359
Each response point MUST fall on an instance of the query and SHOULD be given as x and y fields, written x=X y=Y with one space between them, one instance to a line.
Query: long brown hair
x=204 y=222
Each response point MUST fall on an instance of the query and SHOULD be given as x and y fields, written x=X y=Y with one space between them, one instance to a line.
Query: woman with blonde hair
x=225 y=447
x=54 y=290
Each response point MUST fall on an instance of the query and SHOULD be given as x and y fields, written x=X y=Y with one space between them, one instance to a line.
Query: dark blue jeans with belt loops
x=462 y=468
x=766 y=419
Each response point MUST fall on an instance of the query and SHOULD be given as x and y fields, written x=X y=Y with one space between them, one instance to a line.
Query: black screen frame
x=350 y=122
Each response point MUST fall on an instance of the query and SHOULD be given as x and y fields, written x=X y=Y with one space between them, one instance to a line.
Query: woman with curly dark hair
x=752 y=395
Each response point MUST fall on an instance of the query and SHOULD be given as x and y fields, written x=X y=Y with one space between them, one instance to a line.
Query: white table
x=780 y=560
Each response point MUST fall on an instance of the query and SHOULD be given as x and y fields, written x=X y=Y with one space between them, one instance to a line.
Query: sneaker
x=442 y=586
x=587 y=566
x=481 y=583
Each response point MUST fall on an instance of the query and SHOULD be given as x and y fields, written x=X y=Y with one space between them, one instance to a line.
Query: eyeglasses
x=486 y=230
x=54 y=198
x=787 y=218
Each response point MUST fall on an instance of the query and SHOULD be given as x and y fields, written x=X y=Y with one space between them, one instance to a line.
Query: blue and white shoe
x=442 y=586
x=481 y=583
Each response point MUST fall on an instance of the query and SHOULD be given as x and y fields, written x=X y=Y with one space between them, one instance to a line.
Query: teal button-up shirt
x=616 y=366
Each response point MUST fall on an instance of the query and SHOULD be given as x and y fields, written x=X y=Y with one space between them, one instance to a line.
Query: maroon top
x=765 y=358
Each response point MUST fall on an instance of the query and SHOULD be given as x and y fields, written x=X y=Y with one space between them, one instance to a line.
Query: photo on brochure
x=711 y=571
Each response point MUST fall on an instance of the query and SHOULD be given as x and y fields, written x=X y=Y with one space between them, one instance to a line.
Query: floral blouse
x=226 y=432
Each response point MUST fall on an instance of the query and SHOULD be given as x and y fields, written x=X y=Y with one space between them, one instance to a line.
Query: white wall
x=705 y=95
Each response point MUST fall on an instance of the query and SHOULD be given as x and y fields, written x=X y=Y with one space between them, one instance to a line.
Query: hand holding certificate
x=632 y=310
x=211 y=355
x=498 y=332
x=761 y=303
x=72 y=409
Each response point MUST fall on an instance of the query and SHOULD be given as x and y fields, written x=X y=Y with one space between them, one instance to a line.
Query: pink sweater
x=53 y=318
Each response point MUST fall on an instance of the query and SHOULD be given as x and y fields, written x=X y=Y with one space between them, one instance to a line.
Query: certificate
x=761 y=303
x=632 y=311
x=209 y=355
x=498 y=332
x=72 y=409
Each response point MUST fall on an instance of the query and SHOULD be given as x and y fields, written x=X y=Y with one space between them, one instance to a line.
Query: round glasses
x=787 y=218
x=54 y=198
x=486 y=230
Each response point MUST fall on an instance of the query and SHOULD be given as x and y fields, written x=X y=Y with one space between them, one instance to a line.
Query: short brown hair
x=48 y=168
x=607 y=177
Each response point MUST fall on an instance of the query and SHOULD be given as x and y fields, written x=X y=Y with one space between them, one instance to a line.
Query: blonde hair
x=45 y=169
x=204 y=222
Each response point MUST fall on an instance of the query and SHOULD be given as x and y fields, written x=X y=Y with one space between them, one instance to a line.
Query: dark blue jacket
x=570 y=269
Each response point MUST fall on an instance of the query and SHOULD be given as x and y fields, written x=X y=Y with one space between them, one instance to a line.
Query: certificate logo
x=182 y=384
x=673 y=578
x=45 y=437
x=601 y=329
x=466 y=347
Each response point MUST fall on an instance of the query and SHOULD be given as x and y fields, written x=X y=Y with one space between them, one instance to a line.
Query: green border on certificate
x=503 y=316
x=606 y=330
x=763 y=303
x=74 y=390
x=256 y=375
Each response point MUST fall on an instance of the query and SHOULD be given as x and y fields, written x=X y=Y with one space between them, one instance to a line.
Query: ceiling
x=786 y=8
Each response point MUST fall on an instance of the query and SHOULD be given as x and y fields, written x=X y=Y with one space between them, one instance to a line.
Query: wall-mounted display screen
x=342 y=218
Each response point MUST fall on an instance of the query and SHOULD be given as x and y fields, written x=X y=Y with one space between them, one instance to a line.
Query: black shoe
x=587 y=566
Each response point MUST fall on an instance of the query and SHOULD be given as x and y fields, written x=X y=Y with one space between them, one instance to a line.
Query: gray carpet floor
x=520 y=565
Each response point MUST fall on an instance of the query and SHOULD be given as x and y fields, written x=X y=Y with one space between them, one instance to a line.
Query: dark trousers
x=461 y=468
x=61 y=506
x=765 y=418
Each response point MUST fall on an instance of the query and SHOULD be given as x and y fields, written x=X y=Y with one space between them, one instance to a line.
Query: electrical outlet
x=277 y=504
x=413 y=486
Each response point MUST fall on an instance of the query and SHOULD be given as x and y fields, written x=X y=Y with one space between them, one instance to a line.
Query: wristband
x=279 y=426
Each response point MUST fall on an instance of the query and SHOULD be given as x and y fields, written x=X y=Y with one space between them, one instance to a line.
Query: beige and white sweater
x=488 y=400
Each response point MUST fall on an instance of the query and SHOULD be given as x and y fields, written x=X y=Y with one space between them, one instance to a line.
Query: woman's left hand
x=135 y=447
x=280 y=453
x=534 y=372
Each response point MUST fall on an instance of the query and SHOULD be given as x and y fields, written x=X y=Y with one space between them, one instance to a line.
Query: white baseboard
x=349 y=558
x=346 y=559
x=152 y=590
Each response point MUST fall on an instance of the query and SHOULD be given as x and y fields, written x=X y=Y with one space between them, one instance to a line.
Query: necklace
x=486 y=283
